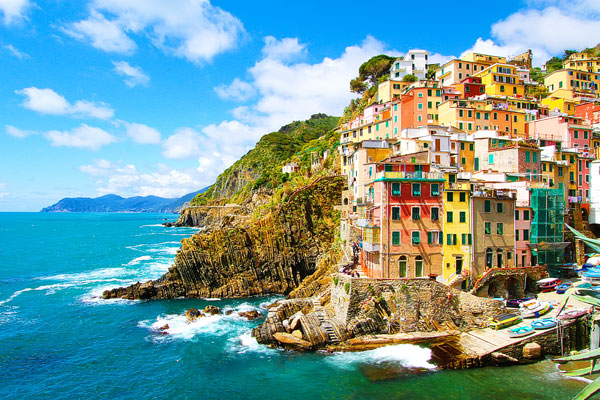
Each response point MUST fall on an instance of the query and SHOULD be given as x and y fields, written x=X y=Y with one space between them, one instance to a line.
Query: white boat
x=536 y=312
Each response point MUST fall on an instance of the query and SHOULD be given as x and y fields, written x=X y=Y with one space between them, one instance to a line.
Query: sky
x=154 y=97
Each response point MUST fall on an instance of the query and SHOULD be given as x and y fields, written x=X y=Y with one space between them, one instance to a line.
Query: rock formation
x=252 y=255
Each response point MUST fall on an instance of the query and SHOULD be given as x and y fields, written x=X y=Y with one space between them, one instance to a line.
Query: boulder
x=250 y=315
x=532 y=351
x=164 y=327
x=212 y=310
x=193 y=313
x=229 y=312
x=297 y=333
x=292 y=342
x=295 y=321
x=286 y=326
x=168 y=224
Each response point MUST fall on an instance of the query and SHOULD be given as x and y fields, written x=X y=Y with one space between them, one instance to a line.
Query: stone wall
x=509 y=283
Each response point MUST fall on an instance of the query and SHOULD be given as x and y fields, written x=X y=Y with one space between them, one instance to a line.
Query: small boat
x=515 y=303
x=505 y=320
x=520 y=331
x=548 y=284
x=592 y=275
x=572 y=314
x=544 y=323
x=533 y=303
x=560 y=289
x=536 y=312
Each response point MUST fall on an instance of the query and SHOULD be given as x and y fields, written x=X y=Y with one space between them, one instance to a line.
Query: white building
x=289 y=168
x=594 y=217
x=413 y=63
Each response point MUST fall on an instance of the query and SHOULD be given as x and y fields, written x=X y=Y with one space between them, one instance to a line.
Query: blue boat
x=544 y=323
x=560 y=289
x=520 y=331
x=591 y=276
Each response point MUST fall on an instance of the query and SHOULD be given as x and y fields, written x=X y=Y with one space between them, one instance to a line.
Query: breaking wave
x=405 y=355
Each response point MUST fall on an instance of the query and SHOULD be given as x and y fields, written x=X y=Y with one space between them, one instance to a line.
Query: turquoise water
x=58 y=341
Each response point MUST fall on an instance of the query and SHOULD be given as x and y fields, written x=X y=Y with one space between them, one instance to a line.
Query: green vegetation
x=370 y=72
x=336 y=280
x=260 y=168
x=410 y=78
x=556 y=63
x=430 y=74
x=347 y=287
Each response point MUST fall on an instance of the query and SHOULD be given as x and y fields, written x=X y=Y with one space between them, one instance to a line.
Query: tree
x=410 y=78
x=431 y=71
x=537 y=75
x=370 y=72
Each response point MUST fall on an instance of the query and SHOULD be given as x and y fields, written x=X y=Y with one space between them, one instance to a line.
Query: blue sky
x=140 y=97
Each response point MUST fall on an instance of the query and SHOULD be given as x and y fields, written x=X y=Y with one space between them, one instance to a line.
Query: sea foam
x=406 y=355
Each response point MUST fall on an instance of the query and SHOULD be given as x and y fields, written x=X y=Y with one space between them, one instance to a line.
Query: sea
x=60 y=340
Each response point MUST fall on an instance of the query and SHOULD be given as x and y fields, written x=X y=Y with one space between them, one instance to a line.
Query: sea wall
x=244 y=256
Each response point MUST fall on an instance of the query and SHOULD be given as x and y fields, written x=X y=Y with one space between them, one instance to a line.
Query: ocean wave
x=50 y=289
x=138 y=260
x=405 y=355
x=245 y=343
x=96 y=274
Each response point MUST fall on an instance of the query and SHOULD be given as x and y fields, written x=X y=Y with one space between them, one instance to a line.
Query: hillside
x=114 y=203
x=261 y=166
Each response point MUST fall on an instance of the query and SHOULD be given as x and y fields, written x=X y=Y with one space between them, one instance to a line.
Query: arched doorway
x=489 y=257
x=402 y=267
x=419 y=266
x=459 y=265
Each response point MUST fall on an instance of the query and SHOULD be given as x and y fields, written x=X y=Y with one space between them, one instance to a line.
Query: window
x=449 y=216
x=462 y=197
x=416 y=189
x=516 y=215
x=526 y=215
x=416 y=237
x=500 y=228
x=396 y=237
x=534 y=154
x=525 y=234
x=467 y=239
x=419 y=266
x=463 y=161
x=451 y=178
x=435 y=189
x=471 y=146
x=576 y=134
x=450 y=196
x=500 y=207
x=451 y=239
x=476 y=164
x=395 y=213
x=462 y=146
x=491 y=159
x=395 y=189
x=433 y=237
x=488 y=228
x=463 y=216
x=435 y=213
x=416 y=213
x=527 y=156
x=487 y=206
x=517 y=235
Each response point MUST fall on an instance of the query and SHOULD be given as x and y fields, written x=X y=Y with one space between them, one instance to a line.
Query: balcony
x=408 y=176
x=459 y=186
x=370 y=247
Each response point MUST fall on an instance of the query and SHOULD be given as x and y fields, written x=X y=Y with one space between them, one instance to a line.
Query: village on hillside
x=454 y=170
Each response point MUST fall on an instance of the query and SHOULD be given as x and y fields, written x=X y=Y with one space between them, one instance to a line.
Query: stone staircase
x=455 y=281
x=578 y=222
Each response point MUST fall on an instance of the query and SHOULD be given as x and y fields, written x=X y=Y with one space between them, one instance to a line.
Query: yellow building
x=458 y=238
x=474 y=115
x=389 y=90
x=485 y=59
x=572 y=84
x=565 y=105
x=501 y=80
x=466 y=155
x=583 y=62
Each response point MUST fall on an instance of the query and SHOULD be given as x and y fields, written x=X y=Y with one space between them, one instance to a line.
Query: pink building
x=522 y=233
x=573 y=132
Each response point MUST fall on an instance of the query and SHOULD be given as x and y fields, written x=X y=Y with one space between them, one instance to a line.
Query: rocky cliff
x=244 y=255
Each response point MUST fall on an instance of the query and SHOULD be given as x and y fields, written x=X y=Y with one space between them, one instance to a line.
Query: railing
x=370 y=247
x=408 y=175
x=459 y=186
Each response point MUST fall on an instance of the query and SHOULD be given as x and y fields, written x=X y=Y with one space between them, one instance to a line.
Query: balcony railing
x=370 y=247
x=408 y=175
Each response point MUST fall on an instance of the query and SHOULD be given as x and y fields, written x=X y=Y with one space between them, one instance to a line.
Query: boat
x=592 y=275
x=548 y=284
x=505 y=320
x=572 y=314
x=515 y=303
x=560 y=289
x=520 y=331
x=536 y=312
x=533 y=303
x=544 y=323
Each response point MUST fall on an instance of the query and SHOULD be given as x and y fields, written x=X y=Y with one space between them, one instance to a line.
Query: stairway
x=578 y=222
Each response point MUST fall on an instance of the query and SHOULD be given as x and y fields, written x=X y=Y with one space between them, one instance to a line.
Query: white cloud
x=13 y=10
x=83 y=136
x=18 y=133
x=133 y=75
x=102 y=34
x=16 y=52
x=141 y=133
x=547 y=28
x=47 y=101
x=237 y=90
x=286 y=49
x=191 y=29
x=185 y=143
x=127 y=180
